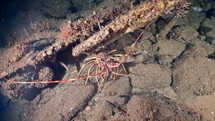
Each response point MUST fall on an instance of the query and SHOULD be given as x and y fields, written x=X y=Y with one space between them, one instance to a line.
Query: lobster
x=104 y=64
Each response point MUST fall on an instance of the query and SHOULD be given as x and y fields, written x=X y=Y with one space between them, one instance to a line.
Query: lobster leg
x=98 y=68
x=114 y=75
x=84 y=66
x=64 y=65
x=118 y=55
x=89 y=72
x=104 y=77
x=119 y=73
x=112 y=51
x=124 y=68
x=87 y=59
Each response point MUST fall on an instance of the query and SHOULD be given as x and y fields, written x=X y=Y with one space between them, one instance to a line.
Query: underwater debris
x=180 y=10
x=138 y=16
x=84 y=34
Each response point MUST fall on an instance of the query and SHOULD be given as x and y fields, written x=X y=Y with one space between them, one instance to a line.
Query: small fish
x=198 y=9
x=123 y=59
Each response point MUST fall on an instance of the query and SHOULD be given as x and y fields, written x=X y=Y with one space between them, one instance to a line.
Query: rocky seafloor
x=172 y=78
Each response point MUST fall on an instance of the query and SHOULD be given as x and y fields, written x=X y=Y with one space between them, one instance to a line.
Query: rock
x=206 y=48
x=104 y=104
x=16 y=110
x=208 y=27
x=56 y=8
x=119 y=88
x=169 y=50
x=124 y=42
x=167 y=92
x=102 y=112
x=189 y=33
x=141 y=108
x=209 y=23
x=184 y=33
x=210 y=37
x=150 y=76
x=56 y=101
x=204 y=105
x=207 y=5
x=193 y=74
x=195 y=18
x=44 y=74
x=88 y=108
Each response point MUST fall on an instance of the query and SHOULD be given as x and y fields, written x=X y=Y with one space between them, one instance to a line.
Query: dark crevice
x=30 y=94
x=136 y=2
x=172 y=79
x=130 y=83
x=4 y=104
x=160 y=24
x=212 y=56
x=72 y=8
x=188 y=46
x=30 y=74
x=209 y=40
x=202 y=30
x=116 y=106
x=210 y=13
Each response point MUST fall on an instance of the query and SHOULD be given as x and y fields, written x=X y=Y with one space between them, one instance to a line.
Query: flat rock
x=195 y=18
x=204 y=105
x=141 y=108
x=193 y=74
x=116 y=91
x=169 y=50
x=150 y=76
x=209 y=23
x=208 y=27
x=63 y=102
x=167 y=92
x=189 y=33
x=102 y=112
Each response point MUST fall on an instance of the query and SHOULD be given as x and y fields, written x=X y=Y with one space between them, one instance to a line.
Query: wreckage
x=83 y=36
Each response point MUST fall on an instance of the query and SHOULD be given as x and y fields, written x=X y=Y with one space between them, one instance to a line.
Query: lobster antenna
x=57 y=81
x=140 y=35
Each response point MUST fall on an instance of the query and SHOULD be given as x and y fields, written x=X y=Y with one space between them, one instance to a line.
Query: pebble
x=88 y=108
